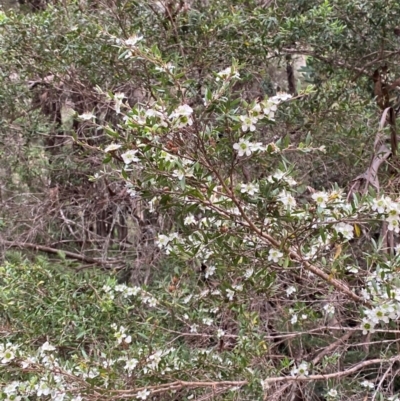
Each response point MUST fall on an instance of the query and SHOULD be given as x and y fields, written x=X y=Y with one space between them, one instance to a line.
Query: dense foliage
x=214 y=187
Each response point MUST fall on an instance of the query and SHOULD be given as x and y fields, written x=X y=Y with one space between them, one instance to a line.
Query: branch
x=332 y=347
x=342 y=373
x=336 y=62
x=56 y=251
x=338 y=284
x=218 y=384
x=179 y=385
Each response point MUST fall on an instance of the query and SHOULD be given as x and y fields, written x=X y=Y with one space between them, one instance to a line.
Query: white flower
x=28 y=362
x=220 y=333
x=182 y=110
x=282 y=175
x=47 y=347
x=269 y=108
x=87 y=116
x=243 y=147
x=130 y=190
x=394 y=225
x=352 y=269
x=163 y=240
x=393 y=209
x=256 y=112
x=118 y=98
x=303 y=369
x=281 y=97
x=112 y=147
x=11 y=388
x=189 y=219
x=193 y=328
x=377 y=314
x=155 y=359
x=165 y=67
x=7 y=356
x=121 y=287
x=230 y=294
x=290 y=290
x=121 y=336
x=154 y=113
x=320 y=198
x=290 y=181
x=207 y=321
x=345 y=229
x=248 y=123
x=133 y=40
x=332 y=393
x=369 y=385
x=278 y=175
x=224 y=73
x=107 y=288
x=130 y=157
x=287 y=199
x=249 y=188
x=329 y=309
x=93 y=373
x=209 y=271
x=143 y=394
x=367 y=326
x=365 y=294
x=228 y=72
x=151 y=301
x=248 y=273
x=257 y=146
x=181 y=116
x=179 y=174
x=187 y=299
x=42 y=389
x=131 y=364
x=294 y=319
x=137 y=119
x=380 y=204
x=275 y=255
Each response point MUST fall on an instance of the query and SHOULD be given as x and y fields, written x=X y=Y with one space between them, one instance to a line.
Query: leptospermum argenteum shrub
x=241 y=214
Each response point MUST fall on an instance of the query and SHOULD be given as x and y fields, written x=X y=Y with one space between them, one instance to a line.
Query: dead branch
x=55 y=251
x=334 y=375
x=370 y=176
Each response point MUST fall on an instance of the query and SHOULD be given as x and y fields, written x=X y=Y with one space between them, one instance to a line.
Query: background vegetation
x=199 y=200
